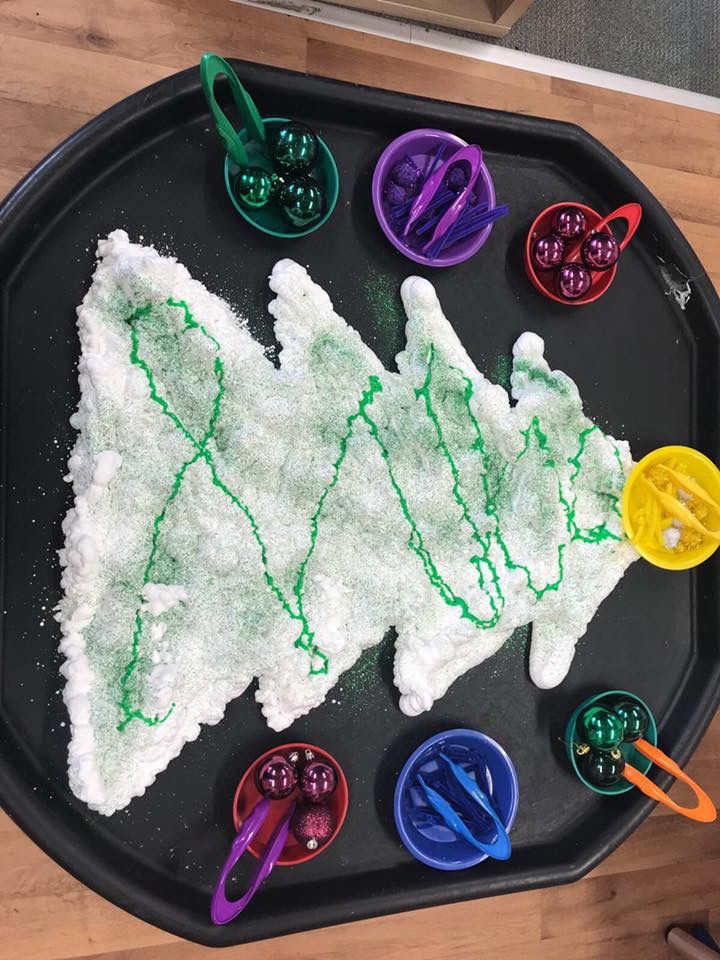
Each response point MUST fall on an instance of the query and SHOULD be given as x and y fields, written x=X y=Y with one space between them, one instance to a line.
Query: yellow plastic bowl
x=694 y=464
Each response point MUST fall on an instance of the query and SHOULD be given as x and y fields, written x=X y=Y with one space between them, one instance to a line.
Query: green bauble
x=302 y=201
x=255 y=187
x=633 y=718
x=295 y=148
x=603 y=730
x=603 y=769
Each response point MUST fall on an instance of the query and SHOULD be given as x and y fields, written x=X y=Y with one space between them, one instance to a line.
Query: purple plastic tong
x=472 y=155
x=223 y=910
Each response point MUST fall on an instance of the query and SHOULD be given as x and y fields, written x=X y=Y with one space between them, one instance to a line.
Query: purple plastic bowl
x=421 y=146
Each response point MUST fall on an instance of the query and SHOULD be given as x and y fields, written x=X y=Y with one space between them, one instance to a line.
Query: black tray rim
x=27 y=805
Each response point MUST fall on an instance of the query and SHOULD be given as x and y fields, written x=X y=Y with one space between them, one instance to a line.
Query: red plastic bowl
x=247 y=795
x=544 y=280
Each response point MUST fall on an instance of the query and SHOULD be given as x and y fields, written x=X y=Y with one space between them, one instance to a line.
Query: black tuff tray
x=647 y=370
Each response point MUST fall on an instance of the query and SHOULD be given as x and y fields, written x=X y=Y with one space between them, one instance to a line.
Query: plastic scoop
x=704 y=810
x=223 y=910
x=211 y=67
x=631 y=213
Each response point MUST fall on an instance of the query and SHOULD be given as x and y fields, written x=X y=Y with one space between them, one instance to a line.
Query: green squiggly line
x=575 y=461
x=424 y=392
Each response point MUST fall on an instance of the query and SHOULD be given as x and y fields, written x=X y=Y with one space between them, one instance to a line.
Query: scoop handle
x=704 y=811
x=211 y=67
x=631 y=213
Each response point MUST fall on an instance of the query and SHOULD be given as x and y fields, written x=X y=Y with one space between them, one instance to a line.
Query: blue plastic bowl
x=436 y=845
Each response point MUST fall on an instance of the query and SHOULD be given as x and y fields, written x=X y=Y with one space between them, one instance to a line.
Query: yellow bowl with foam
x=647 y=519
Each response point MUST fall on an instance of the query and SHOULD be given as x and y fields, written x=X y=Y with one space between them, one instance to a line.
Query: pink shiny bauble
x=573 y=280
x=548 y=252
x=313 y=825
x=569 y=223
x=600 y=251
x=317 y=781
x=277 y=777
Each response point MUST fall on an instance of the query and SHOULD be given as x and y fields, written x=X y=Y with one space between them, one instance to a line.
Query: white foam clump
x=236 y=520
x=158 y=598
x=671 y=536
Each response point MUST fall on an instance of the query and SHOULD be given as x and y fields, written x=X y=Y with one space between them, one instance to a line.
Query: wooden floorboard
x=62 y=61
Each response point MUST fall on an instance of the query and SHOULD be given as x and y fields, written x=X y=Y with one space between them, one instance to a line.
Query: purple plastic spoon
x=472 y=155
x=223 y=910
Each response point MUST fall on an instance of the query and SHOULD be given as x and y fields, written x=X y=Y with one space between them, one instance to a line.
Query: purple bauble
x=317 y=781
x=394 y=193
x=457 y=178
x=313 y=825
x=570 y=223
x=548 y=252
x=277 y=777
x=573 y=280
x=600 y=251
x=407 y=174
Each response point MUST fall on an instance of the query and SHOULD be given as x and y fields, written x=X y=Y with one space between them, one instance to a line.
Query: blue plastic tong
x=500 y=848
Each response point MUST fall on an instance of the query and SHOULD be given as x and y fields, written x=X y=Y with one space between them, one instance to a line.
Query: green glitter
x=549 y=380
x=365 y=671
x=533 y=437
x=502 y=370
x=384 y=311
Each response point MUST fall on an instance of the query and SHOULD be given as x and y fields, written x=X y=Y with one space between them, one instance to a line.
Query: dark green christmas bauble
x=295 y=148
x=603 y=769
x=633 y=718
x=603 y=729
x=255 y=187
x=302 y=201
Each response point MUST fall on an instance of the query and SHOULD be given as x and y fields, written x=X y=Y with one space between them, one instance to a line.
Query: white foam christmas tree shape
x=235 y=520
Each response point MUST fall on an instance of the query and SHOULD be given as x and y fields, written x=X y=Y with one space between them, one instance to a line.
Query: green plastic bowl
x=574 y=735
x=270 y=219
x=248 y=146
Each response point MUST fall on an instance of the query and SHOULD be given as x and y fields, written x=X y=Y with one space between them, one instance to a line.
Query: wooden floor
x=62 y=61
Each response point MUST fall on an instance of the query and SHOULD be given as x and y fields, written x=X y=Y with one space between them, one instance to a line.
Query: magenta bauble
x=313 y=824
x=573 y=280
x=317 y=781
x=277 y=777
x=600 y=251
x=548 y=252
x=569 y=223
